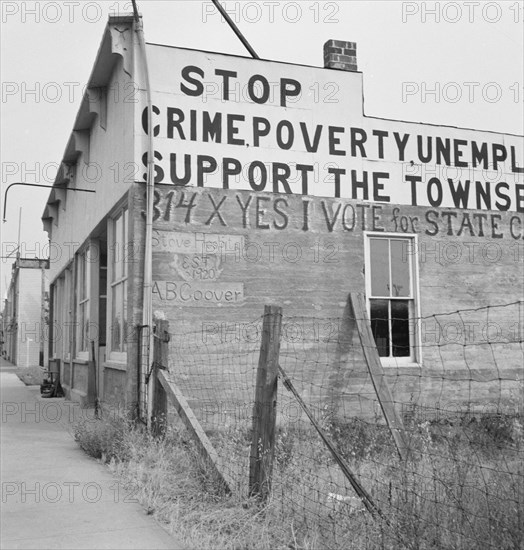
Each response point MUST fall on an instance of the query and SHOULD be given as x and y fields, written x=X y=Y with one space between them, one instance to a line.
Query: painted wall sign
x=187 y=267
x=197 y=294
x=198 y=267
x=222 y=210
x=236 y=123
x=195 y=243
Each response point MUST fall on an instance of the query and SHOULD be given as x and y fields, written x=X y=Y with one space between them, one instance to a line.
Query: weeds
x=108 y=439
x=464 y=488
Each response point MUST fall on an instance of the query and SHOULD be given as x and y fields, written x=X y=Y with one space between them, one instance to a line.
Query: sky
x=450 y=63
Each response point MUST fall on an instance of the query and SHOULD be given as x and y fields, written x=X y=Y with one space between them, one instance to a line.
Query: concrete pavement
x=6 y=365
x=53 y=494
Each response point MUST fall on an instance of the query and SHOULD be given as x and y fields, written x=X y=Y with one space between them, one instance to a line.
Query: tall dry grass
x=462 y=489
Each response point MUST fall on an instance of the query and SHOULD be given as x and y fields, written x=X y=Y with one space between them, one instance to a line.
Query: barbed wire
x=461 y=407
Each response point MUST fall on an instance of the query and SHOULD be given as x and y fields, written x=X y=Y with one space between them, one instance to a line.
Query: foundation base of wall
x=67 y=392
x=80 y=397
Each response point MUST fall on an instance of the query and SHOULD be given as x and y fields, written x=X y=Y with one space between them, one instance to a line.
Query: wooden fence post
x=160 y=361
x=265 y=406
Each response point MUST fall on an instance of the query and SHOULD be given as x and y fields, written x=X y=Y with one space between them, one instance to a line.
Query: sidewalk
x=55 y=496
x=4 y=364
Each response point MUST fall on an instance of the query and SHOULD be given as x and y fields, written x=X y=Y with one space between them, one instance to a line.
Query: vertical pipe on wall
x=147 y=306
x=42 y=316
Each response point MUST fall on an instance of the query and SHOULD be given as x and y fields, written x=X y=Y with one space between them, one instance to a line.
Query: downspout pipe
x=147 y=305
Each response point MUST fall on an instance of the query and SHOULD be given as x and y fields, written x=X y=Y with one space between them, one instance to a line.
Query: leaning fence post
x=378 y=376
x=265 y=406
x=160 y=361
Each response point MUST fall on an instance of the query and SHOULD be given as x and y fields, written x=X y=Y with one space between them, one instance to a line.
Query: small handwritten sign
x=198 y=267
x=196 y=243
x=198 y=294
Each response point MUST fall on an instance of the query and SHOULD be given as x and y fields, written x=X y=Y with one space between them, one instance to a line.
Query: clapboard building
x=24 y=317
x=271 y=185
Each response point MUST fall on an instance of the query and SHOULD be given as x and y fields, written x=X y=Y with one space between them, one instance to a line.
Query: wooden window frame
x=415 y=357
x=117 y=252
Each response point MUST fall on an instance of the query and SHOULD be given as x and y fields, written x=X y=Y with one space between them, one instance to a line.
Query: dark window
x=391 y=295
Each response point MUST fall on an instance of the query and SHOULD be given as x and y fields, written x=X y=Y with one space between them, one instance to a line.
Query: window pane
x=84 y=327
x=118 y=277
x=83 y=270
x=400 y=255
x=67 y=314
x=80 y=328
x=124 y=314
x=117 y=249
x=57 y=318
x=380 y=325
x=379 y=265
x=116 y=321
x=102 y=305
x=81 y=276
x=125 y=243
x=400 y=328
x=87 y=265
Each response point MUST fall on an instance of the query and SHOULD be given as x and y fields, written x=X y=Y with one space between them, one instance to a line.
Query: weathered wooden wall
x=219 y=256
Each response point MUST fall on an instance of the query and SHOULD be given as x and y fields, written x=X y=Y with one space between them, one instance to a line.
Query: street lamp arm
x=38 y=185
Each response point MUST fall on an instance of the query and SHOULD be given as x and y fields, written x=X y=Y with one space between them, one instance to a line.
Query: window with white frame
x=83 y=292
x=58 y=296
x=118 y=286
x=67 y=314
x=391 y=289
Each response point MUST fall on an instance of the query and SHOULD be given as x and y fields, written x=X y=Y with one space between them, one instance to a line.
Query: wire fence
x=459 y=394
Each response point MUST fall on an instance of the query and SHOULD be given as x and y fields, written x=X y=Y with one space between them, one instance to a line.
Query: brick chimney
x=340 y=55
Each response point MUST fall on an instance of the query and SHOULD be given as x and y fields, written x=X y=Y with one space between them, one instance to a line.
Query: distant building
x=273 y=186
x=24 y=318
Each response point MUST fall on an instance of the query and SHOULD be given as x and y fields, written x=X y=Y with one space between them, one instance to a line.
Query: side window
x=58 y=318
x=67 y=313
x=82 y=303
x=391 y=294
x=118 y=273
